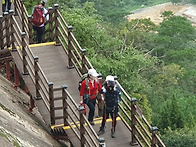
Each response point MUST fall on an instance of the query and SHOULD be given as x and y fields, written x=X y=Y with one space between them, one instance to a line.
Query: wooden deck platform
x=53 y=61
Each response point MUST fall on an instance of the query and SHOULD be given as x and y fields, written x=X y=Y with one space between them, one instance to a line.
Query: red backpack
x=37 y=17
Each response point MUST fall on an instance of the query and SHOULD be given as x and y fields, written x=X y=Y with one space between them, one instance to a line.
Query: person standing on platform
x=39 y=14
x=6 y=5
x=90 y=87
x=112 y=95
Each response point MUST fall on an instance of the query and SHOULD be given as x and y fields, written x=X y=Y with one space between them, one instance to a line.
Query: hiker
x=39 y=13
x=7 y=3
x=90 y=87
x=112 y=95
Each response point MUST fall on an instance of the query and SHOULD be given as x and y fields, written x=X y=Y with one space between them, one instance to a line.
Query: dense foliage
x=155 y=64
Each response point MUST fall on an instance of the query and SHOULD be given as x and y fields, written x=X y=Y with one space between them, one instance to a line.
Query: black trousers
x=112 y=112
x=8 y=4
x=39 y=33
x=91 y=105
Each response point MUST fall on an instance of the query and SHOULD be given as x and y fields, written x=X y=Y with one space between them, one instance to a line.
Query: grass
x=6 y=109
x=10 y=138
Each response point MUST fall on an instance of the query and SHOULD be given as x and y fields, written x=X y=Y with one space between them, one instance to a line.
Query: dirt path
x=155 y=12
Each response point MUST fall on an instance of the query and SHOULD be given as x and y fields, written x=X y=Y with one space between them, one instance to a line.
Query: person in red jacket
x=90 y=88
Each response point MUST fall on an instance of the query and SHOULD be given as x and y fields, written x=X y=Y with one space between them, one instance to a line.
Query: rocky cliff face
x=18 y=127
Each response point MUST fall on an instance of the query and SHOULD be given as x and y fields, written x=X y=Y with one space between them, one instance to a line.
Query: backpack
x=37 y=17
x=84 y=77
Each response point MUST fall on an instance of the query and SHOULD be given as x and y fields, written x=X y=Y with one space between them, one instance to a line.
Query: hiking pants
x=7 y=3
x=39 y=33
x=91 y=105
x=113 y=112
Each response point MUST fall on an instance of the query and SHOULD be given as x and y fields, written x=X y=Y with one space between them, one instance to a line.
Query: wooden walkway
x=53 y=61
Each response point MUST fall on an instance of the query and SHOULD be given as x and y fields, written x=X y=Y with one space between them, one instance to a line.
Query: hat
x=93 y=72
x=109 y=78
x=44 y=1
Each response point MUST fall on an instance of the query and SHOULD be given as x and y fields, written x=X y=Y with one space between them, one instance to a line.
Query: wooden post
x=154 y=139
x=1 y=32
x=70 y=47
x=8 y=72
x=15 y=9
x=57 y=34
x=32 y=103
x=30 y=25
x=82 y=129
x=23 y=15
x=11 y=13
x=26 y=89
x=36 y=69
x=0 y=66
x=51 y=31
x=84 y=70
x=102 y=142
x=51 y=97
x=7 y=29
x=24 y=53
x=16 y=77
x=133 y=124
x=65 y=105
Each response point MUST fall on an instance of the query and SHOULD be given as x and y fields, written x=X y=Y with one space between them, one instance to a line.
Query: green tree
x=175 y=1
x=180 y=138
x=174 y=33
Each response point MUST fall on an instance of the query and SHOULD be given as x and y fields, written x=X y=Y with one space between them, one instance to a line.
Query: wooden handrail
x=142 y=131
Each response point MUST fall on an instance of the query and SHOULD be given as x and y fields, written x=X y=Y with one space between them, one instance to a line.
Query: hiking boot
x=92 y=123
x=113 y=133
x=101 y=131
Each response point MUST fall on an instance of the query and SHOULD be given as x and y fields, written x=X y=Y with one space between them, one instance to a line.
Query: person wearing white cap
x=89 y=91
x=111 y=97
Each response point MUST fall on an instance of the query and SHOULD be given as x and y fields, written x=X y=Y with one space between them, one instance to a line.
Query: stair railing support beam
x=84 y=70
x=11 y=14
x=8 y=71
x=7 y=29
x=65 y=105
x=30 y=25
x=154 y=138
x=82 y=129
x=1 y=32
x=50 y=22
x=133 y=123
x=36 y=69
x=23 y=16
x=16 y=77
x=102 y=142
x=32 y=103
x=51 y=97
x=24 y=53
x=70 y=47
x=56 y=15
x=0 y=66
